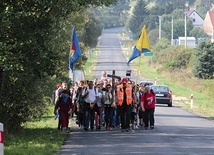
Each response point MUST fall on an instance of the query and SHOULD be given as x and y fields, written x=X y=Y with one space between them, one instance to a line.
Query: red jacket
x=64 y=106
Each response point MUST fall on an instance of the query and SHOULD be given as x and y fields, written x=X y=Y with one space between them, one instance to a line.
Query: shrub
x=204 y=68
x=174 y=57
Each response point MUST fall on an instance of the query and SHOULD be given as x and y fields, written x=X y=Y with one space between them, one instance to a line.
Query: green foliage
x=151 y=22
x=34 y=47
x=177 y=14
x=162 y=44
x=178 y=25
x=202 y=6
x=204 y=67
x=114 y=15
x=175 y=3
x=174 y=57
x=198 y=33
x=89 y=37
x=153 y=36
x=160 y=9
x=138 y=18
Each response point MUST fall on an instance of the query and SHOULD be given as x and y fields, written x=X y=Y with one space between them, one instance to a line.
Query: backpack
x=138 y=97
x=109 y=99
x=95 y=90
x=102 y=98
x=80 y=101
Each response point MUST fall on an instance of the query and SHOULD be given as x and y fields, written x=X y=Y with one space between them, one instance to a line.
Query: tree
x=154 y=37
x=204 y=68
x=168 y=6
x=114 y=15
x=202 y=6
x=198 y=33
x=138 y=17
x=33 y=43
x=178 y=26
x=160 y=9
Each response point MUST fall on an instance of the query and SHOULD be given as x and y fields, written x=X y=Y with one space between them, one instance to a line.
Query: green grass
x=90 y=64
x=40 y=137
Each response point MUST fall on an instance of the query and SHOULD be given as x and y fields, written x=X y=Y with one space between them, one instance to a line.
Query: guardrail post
x=1 y=139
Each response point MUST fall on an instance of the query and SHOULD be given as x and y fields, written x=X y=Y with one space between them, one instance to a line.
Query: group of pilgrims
x=97 y=105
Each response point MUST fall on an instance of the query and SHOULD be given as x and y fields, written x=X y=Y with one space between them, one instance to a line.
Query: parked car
x=144 y=82
x=163 y=94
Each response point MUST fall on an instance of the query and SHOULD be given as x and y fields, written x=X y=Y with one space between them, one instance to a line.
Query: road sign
x=148 y=54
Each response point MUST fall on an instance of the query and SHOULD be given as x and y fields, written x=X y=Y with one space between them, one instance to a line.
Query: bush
x=173 y=57
x=204 y=68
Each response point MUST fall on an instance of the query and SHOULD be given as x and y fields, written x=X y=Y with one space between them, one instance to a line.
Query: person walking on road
x=79 y=107
x=91 y=96
x=124 y=93
x=148 y=106
x=64 y=105
x=55 y=98
x=99 y=108
x=108 y=107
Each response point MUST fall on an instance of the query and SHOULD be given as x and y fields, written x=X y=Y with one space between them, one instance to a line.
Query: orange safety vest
x=120 y=94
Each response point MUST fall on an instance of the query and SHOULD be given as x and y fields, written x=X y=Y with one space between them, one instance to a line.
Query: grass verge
x=90 y=64
x=40 y=137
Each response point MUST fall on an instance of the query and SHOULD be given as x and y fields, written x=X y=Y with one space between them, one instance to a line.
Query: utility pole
x=185 y=22
x=159 y=27
x=172 y=32
x=185 y=29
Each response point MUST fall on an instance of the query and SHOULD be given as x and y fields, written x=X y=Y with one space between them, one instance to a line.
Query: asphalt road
x=110 y=55
x=176 y=132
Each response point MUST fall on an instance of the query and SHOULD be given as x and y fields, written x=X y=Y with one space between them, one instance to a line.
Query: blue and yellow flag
x=75 y=51
x=142 y=45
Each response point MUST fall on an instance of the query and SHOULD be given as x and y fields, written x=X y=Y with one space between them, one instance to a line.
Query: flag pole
x=71 y=71
x=82 y=68
x=138 y=70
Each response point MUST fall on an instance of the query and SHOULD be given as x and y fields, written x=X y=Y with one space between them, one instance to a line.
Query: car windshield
x=160 y=89
x=144 y=82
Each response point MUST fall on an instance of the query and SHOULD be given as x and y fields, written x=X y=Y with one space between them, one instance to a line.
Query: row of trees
x=34 y=47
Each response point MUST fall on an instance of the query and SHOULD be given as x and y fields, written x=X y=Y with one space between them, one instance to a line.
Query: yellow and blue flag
x=75 y=51
x=142 y=45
